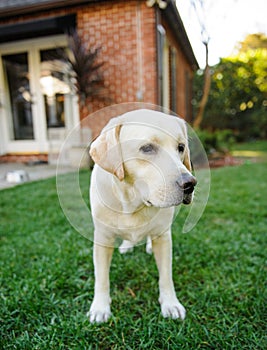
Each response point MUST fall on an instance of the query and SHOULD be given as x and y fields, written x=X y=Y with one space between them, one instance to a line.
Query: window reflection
x=17 y=76
x=55 y=85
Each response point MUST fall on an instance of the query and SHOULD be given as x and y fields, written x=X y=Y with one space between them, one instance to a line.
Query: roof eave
x=37 y=7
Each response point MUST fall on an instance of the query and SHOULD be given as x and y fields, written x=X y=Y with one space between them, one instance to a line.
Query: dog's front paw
x=99 y=312
x=172 y=308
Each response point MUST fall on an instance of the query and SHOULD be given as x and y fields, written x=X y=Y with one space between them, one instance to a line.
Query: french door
x=38 y=105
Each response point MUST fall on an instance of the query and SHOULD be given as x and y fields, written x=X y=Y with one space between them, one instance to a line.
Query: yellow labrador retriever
x=142 y=171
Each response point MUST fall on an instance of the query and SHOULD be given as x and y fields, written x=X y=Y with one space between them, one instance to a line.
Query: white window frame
x=40 y=144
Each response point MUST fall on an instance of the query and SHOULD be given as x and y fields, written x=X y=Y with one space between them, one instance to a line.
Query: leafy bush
x=219 y=141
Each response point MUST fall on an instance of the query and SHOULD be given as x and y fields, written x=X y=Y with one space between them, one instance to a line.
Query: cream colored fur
x=142 y=166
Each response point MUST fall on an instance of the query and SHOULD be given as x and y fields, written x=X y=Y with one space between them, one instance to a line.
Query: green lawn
x=257 y=145
x=219 y=274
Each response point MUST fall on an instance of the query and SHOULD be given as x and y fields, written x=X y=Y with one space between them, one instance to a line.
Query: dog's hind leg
x=149 y=249
x=126 y=247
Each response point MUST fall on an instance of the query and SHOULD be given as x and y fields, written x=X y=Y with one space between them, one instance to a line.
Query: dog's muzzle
x=187 y=183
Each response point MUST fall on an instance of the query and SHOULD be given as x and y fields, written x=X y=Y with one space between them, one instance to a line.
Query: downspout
x=159 y=65
x=160 y=6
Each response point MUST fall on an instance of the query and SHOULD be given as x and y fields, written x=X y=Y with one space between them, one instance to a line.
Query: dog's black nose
x=187 y=183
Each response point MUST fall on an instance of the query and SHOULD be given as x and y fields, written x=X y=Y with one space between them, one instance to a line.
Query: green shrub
x=219 y=141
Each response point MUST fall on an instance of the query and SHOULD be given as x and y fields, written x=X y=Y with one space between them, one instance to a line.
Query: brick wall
x=117 y=26
x=24 y=158
x=126 y=33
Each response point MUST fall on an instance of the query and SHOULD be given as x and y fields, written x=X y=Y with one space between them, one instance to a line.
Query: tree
x=200 y=10
x=205 y=92
x=252 y=42
x=238 y=95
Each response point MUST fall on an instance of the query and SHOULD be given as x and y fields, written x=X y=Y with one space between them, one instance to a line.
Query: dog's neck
x=119 y=196
x=128 y=195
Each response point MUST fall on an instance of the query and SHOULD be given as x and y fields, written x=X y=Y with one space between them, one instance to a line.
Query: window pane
x=17 y=74
x=54 y=85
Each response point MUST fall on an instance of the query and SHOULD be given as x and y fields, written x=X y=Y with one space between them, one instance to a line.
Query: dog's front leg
x=170 y=305
x=100 y=308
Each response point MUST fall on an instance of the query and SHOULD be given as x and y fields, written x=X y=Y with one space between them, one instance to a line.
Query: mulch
x=226 y=160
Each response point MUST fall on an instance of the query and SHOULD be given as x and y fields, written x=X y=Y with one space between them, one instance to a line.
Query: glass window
x=55 y=85
x=16 y=69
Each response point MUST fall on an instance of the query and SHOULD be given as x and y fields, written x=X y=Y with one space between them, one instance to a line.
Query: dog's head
x=149 y=151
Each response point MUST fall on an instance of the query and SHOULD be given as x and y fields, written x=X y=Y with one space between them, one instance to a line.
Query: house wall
x=184 y=77
x=125 y=32
x=127 y=35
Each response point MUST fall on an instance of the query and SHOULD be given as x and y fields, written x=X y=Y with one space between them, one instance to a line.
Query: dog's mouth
x=187 y=198
x=179 y=193
x=148 y=203
x=188 y=193
x=187 y=184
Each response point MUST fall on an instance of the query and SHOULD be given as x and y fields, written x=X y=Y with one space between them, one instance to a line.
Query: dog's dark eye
x=181 y=147
x=149 y=148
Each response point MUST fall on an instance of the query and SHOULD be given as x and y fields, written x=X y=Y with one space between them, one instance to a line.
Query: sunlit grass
x=253 y=146
x=249 y=154
x=256 y=150
x=219 y=272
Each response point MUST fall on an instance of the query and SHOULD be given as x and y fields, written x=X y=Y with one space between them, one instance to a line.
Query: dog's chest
x=148 y=221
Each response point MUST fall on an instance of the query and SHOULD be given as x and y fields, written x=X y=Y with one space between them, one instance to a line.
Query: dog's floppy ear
x=106 y=151
x=186 y=161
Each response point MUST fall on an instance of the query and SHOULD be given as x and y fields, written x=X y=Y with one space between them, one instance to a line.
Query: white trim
x=3 y=126
x=37 y=106
x=40 y=43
